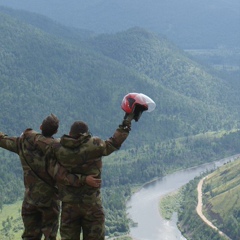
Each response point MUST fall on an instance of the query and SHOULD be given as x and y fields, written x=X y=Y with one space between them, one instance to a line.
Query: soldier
x=40 y=208
x=81 y=153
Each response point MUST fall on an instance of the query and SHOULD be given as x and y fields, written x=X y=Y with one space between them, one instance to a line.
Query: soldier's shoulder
x=97 y=141
x=56 y=143
x=95 y=138
x=29 y=132
x=2 y=134
x=46 y=140
x=44 y=143
x=29 y=135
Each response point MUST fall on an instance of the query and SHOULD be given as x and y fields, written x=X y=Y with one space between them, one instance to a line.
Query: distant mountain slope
x=221 y=198
x=48 y=25
x=157 y=58
x=160 y=60
x=41 y=73
x=189 y=24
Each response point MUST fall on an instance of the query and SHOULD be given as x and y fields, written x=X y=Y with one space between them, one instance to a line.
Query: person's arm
x=98 y=147
x=9 y=143
x=120 y=135
x=62 y=176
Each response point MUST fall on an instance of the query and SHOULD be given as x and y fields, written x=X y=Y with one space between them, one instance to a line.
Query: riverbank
x=169 y=204
x=218 y=200
x=143 y=207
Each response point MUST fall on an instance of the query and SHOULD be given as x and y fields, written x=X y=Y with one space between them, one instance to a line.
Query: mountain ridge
x=30 y=54
x=190 y=24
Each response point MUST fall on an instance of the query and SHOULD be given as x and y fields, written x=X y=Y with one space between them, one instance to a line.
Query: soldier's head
x=78 y=128
x=49 y=125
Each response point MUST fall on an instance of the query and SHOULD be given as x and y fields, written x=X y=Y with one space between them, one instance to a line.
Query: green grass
x=11 y=226
x=222 y=190
x=13 y=231
x=169 y=204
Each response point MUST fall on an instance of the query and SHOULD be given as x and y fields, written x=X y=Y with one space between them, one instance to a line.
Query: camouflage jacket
x=84 y=156
x=40 y=187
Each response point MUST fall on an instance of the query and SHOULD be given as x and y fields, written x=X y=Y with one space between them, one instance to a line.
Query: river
x=143 y=205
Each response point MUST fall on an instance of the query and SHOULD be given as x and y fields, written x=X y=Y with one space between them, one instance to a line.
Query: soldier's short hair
x=78 y=128
x=50 y=125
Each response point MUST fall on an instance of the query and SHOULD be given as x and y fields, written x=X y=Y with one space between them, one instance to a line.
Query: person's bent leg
x=93 y=222
x=32 y=222
x=70 y=226
x=50 y=220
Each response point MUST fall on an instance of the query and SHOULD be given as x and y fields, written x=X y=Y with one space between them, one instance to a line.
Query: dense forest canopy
x=189 y=99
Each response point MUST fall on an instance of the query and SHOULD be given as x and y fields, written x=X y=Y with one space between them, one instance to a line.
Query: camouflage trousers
x=86 y=218
x=40 y=221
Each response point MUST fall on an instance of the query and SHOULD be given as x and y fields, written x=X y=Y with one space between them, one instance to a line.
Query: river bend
x=143 y=205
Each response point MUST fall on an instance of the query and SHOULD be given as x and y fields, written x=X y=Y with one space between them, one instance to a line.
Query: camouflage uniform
x=82 y=207
x=40 y=208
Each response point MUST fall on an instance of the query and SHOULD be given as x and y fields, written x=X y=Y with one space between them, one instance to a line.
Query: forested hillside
x=141 y=164
x=190 y=223
x=190 y=24
x=50 y=69
x=85 y=77
x=222 y=185
x=41 y=74
x=220 y=204
x=159 y=59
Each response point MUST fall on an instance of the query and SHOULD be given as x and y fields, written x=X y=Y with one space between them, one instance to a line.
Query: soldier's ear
x=40 y=127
